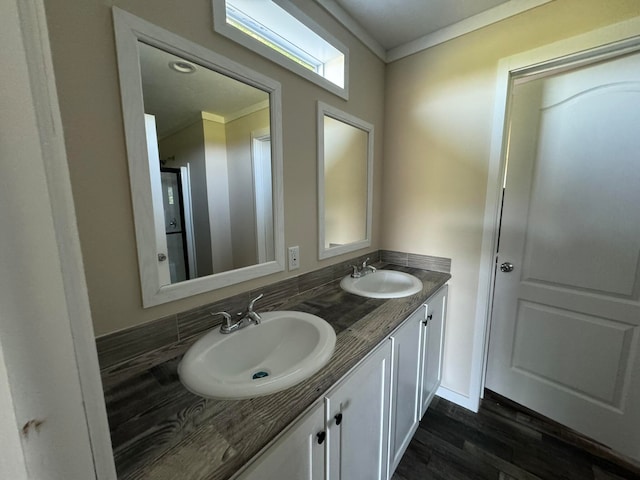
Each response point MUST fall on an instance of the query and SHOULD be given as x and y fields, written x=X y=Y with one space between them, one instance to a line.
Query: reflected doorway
x=178 y=223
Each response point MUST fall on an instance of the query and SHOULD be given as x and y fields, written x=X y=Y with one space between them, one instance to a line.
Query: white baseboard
x=466 y=402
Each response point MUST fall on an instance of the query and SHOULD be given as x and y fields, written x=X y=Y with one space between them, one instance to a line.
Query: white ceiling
x=396 y=22
x=177 y=99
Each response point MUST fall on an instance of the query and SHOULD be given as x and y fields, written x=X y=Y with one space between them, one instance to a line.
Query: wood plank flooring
x=504 y=441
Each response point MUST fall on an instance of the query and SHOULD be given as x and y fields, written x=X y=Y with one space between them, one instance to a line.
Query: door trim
x=599 y=44
x=69 y=334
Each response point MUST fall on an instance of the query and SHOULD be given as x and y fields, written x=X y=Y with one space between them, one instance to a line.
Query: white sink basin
x=284 y=349
x=382 y=284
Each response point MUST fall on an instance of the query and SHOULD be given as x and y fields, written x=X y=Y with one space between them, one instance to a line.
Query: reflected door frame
x=186 y=222
x=262 y=190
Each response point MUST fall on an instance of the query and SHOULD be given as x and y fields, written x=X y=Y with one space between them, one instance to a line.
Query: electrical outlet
x=294 y=258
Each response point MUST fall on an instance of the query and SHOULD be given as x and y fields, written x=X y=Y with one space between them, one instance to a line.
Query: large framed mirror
x=204 y=144
x=345 y=181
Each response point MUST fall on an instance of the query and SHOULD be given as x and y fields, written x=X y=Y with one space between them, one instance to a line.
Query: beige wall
x=217 y=179
x=83 y=46
x=243 y=212
x=439 y=110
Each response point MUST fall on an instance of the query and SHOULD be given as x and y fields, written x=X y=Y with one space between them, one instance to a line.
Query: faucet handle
x=355 y=271
x=364 y=264
x=227 y=317
x=251 y=303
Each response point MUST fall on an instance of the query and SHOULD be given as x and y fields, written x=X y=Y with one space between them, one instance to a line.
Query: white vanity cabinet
x=298 y=454
x=433 y=347
x=358 y=421
x=362 y=427
x=416 y=372
x=407 y=343
x=343 y=437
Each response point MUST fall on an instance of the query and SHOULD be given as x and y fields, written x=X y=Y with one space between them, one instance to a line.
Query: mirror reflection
x=345 y=183
x=209 y=146
x=345 y=176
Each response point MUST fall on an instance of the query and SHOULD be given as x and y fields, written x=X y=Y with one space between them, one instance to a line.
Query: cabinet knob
x=429 y=317
x=338 y=418
x=321 y=436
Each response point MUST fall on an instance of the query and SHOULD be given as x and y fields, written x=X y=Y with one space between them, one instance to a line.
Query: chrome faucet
x=250 y=315
x=362 y=270
x=246 y=318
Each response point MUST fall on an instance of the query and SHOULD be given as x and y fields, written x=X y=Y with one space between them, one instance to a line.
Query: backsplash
x=424 y=262
x=121 y=346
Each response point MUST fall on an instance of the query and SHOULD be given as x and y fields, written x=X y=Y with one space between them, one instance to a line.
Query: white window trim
x=222 y=27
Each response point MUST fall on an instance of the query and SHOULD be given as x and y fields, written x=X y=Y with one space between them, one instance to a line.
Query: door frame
x=606 y=42
x=185 y=175
x=64 y=346
x=179 y=172
x=257 y=170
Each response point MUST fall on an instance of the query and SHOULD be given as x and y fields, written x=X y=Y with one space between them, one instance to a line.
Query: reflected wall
x=345 y=183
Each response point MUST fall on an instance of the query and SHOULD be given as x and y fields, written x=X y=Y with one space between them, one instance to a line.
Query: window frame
x=221 y=26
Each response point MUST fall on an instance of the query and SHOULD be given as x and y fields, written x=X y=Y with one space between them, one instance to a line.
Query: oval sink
x=284 y=349
x=382 y=284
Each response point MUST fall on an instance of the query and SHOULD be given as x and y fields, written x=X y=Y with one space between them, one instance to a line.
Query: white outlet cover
x=294 y=258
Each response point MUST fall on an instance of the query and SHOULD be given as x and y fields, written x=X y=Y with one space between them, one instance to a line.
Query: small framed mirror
x=204 y=145
x=345 y=181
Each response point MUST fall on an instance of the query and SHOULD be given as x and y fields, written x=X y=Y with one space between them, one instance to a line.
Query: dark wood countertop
x=180 y=435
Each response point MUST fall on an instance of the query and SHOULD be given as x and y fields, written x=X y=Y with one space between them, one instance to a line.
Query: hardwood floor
x=504 y=441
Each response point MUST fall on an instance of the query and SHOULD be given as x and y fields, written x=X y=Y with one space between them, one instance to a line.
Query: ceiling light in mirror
x=182 y=67
x=345 y=169
x=205 y=163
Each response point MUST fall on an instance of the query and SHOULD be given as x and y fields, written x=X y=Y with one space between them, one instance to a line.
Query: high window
x=279 y=31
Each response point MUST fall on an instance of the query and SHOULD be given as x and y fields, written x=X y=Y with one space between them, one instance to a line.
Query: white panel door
x=358 y=421
x=564 y=333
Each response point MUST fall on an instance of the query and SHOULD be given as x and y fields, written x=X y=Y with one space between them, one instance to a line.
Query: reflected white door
x=164 y=276
x=565 y=327
x=262 y=187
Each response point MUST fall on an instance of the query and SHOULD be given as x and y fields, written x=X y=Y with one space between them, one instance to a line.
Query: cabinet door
x=405 y=389
x=433 y=338
x=297 y=455
x=358 y=421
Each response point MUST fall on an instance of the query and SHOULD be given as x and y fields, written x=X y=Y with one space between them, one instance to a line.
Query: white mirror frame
x=129 y=30
x=337 y=114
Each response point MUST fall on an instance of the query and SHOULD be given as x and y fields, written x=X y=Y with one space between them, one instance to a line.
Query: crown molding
x=354 y=27
x=468 y=25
